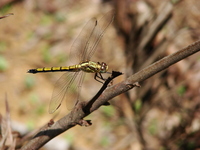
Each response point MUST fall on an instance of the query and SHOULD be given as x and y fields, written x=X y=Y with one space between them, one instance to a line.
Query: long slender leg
x=98 y=76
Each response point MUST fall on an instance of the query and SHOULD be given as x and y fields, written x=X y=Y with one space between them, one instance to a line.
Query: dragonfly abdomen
x=74 y=68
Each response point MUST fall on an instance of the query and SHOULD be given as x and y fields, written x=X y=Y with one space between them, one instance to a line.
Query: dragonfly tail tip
x=32 y=71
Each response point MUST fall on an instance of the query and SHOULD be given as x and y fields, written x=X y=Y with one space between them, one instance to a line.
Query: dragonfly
x=81 y=52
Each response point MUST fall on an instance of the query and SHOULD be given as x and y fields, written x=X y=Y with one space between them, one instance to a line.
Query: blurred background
x=163 y=114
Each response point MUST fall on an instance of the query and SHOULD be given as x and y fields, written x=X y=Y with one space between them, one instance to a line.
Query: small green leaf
x=3 y=46
x=181 y=90
x=30 y=124
x=29 y=82
x=40 y=110
x=69 y=137
x=3 y=64
x=109 y=111
x=5 y=8
x=138 y=105
x=34 y=98
x=175 y=1
x=59 y=17
x=105 y=141
x=61 y=58
x=153 y=127
x=46 y=55
x=47 y=19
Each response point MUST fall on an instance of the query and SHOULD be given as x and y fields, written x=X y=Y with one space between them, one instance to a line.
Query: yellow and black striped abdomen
x=73 y=68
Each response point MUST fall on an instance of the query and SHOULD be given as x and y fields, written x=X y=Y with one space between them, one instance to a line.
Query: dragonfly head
x=103 y=68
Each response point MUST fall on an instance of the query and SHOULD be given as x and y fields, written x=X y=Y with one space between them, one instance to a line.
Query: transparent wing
x=85 y=45
x=97 y=34
x=80 y=45
x=67 y=87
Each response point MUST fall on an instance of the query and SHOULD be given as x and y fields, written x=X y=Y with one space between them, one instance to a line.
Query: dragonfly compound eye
x=104 y=67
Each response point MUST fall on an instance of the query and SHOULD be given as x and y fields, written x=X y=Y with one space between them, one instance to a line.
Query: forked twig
x=90 y=104
x=75 y=117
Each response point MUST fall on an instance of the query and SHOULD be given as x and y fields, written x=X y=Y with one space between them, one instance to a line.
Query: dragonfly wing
x=80 y=45
x=97 y=34
x=85 y=44
x=75 y=89
x=68 y=84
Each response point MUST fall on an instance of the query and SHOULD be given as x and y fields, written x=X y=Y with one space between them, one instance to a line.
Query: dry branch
x=77 y=115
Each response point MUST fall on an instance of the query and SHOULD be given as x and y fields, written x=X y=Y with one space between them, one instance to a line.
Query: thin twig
x=6 y=15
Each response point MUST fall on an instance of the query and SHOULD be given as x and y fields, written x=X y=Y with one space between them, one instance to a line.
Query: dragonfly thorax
x=93 y=67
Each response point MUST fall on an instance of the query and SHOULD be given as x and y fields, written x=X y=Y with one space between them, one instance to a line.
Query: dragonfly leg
x=98 y=77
